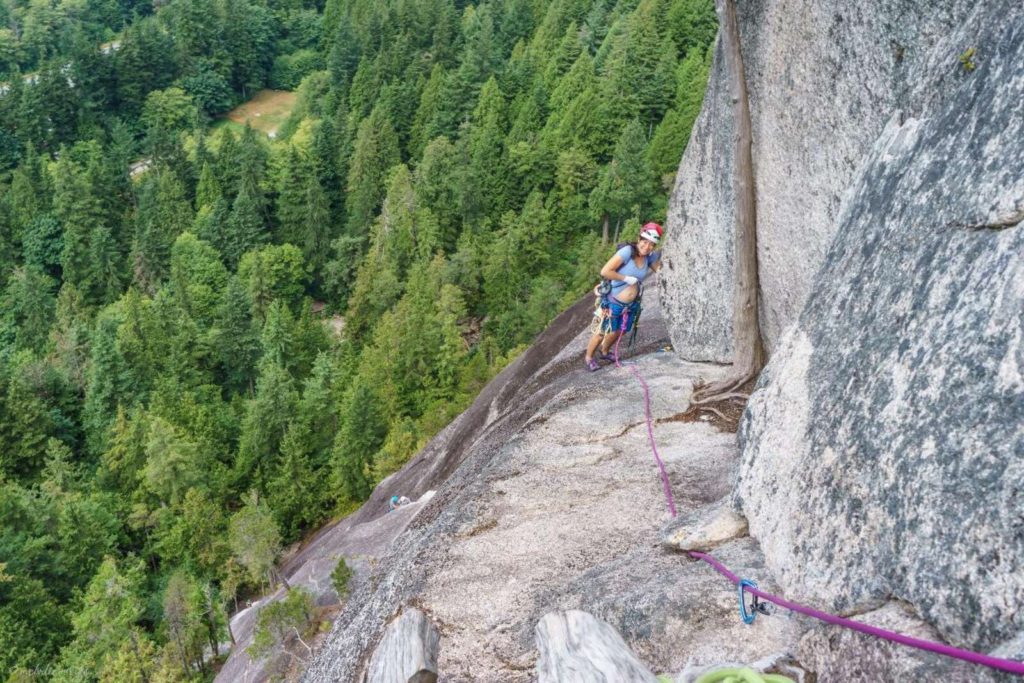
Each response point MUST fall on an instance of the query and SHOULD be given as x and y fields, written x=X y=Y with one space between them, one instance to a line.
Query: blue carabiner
x=748 y=617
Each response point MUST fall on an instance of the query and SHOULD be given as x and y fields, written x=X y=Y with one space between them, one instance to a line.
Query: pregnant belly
x=627 y=293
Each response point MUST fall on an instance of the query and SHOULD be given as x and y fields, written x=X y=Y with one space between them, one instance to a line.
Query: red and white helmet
x=651 y=232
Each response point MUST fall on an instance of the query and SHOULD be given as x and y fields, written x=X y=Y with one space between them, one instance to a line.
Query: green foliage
x=111 y=608
x=340 y=578
x=279 y=622
x=289 y=70
x=254 y=538
x=673 y=132
x=31 y=624
x=273 y=273
x=967 y=59
x=375 y=152
x=441 y=187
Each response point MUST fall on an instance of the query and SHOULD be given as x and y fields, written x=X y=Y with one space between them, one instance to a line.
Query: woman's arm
x=610 y=270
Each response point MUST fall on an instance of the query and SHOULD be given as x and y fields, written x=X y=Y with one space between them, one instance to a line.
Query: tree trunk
x=211 y=620
x=604 y=229
x=748 y=351
x=280 y=576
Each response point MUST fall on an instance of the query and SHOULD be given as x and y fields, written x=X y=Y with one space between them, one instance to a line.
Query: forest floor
x=265 y=112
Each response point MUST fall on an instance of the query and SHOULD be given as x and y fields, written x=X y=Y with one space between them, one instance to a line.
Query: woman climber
x=625 y=273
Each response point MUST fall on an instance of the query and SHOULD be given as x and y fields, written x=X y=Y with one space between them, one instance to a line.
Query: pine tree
x=106 y=274
x=565 y=55
x=295 y=492
x=273 y=273
x=246 y=227
x=110 y=609
x=427 y=122
x=267 y=417
x=626 y=182
x=27 y=422
x=173 y=463
x=79 y=213
x=291 y=181
x=360 y=436
x=673 y=133
x=376 y=151
x=197 y=277
x=632 y=83
x=126 y=455
x=31 y=622
x=164 y=213
x=575 y=178
x=693 y=24
x=105 y=384
x=208 y=190
x=436 y=185
x=235 y=345
x=183 y=619
x=254 y=539
x=29 y=303
x=483 y=180
x=318 y=226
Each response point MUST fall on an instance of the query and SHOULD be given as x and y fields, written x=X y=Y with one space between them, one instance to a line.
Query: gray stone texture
x=838 y=654
x=883 y=453
x=823 y=78
x=576 y=647
x=705 y=528
x=557 y=505
x=408 y=651
x=360 y=544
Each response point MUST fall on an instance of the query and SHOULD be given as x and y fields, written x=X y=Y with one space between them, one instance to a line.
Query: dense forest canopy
x=174 y=406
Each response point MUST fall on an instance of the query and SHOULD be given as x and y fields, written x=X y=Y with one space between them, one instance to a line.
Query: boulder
x=824 y=77
x=883 y=452
x=705 y=528
x=408 y=651
x=577 y=648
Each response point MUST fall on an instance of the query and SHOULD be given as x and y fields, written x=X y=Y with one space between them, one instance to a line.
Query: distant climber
x=621 y=291
x=397 y=502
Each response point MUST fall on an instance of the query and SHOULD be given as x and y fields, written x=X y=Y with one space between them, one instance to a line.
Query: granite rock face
x=838 y=654
x=408 y=651
x=824 y=77
x=557 y=505
x=575 y=647
x=883 y=453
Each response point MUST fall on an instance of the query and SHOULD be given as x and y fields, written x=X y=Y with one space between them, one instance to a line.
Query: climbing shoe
x=592 y=365
x=605 y=357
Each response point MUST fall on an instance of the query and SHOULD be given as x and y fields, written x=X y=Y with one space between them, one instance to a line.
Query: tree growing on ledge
x=748 y=350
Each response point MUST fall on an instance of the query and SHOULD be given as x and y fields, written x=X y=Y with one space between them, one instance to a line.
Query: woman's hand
x=630 y=280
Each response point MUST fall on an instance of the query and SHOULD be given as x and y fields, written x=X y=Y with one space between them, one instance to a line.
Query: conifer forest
x=214 y=340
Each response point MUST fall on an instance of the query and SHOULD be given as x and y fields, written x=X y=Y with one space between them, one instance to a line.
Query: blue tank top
x=630 y=268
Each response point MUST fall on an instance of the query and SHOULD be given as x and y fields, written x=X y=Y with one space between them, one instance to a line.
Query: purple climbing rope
x=647 y=414
x=1007 y=665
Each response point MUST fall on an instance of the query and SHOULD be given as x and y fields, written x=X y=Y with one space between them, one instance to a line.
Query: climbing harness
x=747 y=586
x=639 y=300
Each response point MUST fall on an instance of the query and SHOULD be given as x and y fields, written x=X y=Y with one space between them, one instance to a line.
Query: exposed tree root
x=722 y=390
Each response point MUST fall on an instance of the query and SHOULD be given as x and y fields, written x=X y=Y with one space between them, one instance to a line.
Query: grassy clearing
x=265 y=112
